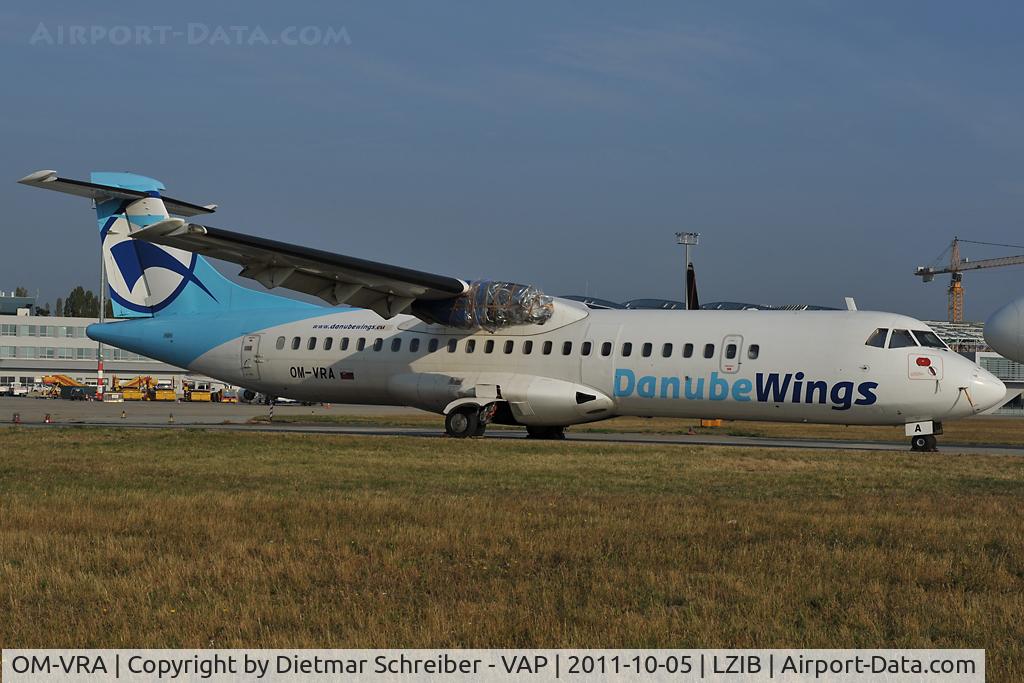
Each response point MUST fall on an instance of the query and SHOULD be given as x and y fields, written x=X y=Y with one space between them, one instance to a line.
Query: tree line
x=79 y=303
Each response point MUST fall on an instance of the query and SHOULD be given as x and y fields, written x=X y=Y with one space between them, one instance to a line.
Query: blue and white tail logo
x=143 y=278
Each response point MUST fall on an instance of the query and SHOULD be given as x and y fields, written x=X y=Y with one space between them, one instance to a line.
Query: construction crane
x=956 y=268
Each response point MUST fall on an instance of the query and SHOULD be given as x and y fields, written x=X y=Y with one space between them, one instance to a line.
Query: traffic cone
x=16 y=419
x=170 y=419
x=123 y=415
x=47 y=420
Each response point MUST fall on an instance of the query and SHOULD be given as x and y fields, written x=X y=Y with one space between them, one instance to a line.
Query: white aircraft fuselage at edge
x=577 y=365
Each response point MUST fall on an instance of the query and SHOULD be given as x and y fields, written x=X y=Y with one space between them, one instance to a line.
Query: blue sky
x=823 y=149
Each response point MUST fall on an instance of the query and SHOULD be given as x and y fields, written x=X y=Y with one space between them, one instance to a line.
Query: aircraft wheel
x=548 y=433
x=481 y=427
x=925 y=443
x=462 y=423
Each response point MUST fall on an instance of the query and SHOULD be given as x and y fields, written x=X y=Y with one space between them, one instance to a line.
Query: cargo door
x=251 y=356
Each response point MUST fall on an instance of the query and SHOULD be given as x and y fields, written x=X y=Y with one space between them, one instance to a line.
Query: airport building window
x=328 y=343
x=452 y=343
x=928 y=338
x=9 y=330
x=709 y=350
x=901 y=339
x=566 y=348
x=312 y=344
x=432 y=346
x=877 y=338
x=753 y=351
x=344 y=343
x=509 y=345
x=280 y=343
x=627 y=349
x=687 y=350
x=606 y=349
x=489 y=346
x=296 y=342
x=414 y=344
x=470 y=345
x=646 y=349
x=585 y=349
x=396 y=344
x=361 y=344
x=730 y=351
x=528 y=347
x=378 y=344
x=546 y=349
x=666 y=350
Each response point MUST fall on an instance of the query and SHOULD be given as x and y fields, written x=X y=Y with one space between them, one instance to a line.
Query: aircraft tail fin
x=145 y=279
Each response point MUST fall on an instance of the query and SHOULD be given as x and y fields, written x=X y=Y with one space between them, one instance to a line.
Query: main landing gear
x=548 y=433
x=467 y=421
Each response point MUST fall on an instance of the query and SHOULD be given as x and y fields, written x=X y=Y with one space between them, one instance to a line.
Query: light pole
x=687 y=239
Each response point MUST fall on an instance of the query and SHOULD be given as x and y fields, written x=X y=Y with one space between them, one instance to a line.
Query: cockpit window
x=929 y=338
x=900 y=339
x=877 y=337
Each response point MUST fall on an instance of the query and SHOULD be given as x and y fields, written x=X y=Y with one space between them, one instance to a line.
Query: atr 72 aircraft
x=479 y=352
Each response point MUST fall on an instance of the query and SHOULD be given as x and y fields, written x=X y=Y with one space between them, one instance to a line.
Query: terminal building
x=35 y=346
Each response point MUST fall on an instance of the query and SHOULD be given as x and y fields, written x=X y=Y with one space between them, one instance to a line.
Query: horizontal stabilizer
x=49 y=180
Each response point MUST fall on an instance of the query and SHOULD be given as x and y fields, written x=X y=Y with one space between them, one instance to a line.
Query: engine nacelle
x=541 y=401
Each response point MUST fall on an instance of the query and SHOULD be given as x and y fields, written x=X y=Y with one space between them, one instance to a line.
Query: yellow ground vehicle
x=164 y=391
x=137 y=389
x=196 y=391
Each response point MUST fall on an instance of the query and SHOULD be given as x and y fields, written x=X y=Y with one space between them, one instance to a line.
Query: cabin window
x=566 y=348
x=432 y=346
x=546 y=349
x=509 y=345
x=527 y=347
x=312 y=344
x=378 y=344
x=730 y=351
x=296 y=342
x=396 y=344
x=901 y=339
x=414 y=344
x=709 y=350
x=877 y=338
x=687 y=350
x=328 y=343
x=489 y=346
x=627 y=349
x=361 y=344
x=666 y=350
x=280 y=343
x=470 y=345
x=646 y=349
x=753 y=351
x=344 y=343
x=585 y=349
x=452 y=343
x=929 y=338
x=606 y=349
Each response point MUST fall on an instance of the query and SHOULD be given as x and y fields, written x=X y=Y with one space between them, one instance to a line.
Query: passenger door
x=729 y=357
x=251 y=356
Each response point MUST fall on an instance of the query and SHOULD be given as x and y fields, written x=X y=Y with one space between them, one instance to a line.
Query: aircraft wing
x=388 y=290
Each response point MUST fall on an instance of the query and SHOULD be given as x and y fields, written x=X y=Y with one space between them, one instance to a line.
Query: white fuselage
x=586 y=365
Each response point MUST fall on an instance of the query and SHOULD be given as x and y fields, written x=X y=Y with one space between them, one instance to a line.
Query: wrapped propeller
x=489 y=305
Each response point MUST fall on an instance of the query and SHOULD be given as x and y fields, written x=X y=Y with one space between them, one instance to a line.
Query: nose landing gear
x=924 y=443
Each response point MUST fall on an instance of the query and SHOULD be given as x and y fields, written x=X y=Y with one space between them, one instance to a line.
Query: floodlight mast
x=687 y=239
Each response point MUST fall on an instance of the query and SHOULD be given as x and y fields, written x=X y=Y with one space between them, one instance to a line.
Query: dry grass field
x=185 y=538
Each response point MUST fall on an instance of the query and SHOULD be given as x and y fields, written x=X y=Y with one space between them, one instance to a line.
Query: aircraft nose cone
x=1004 y=331
x=987 y=390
